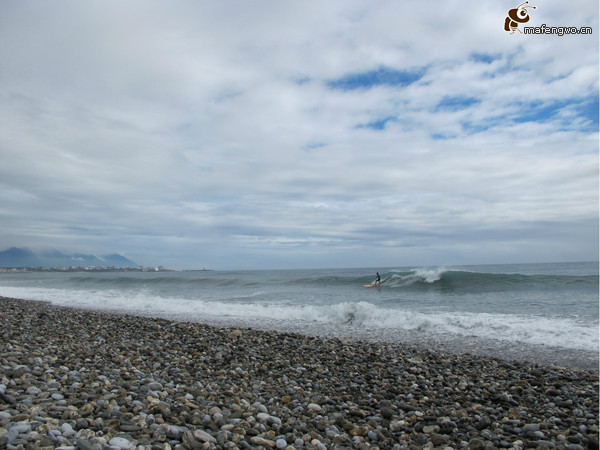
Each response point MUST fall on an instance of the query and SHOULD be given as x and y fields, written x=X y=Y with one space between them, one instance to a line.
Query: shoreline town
x=77 y=379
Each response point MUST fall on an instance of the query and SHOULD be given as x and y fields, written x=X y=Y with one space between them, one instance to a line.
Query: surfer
x=375 y=283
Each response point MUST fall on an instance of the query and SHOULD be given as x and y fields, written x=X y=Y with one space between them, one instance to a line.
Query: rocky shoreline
x=82 y=379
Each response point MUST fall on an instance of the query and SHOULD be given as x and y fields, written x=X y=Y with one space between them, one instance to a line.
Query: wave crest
x=402 y=279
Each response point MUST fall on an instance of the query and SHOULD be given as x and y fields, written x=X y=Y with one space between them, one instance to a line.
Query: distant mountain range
x=23 y=257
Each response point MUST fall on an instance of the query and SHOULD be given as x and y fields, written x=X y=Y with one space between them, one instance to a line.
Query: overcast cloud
x=279 y=134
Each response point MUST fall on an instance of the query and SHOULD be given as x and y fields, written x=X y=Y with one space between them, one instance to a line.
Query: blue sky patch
x=442 y=136
x=535 y=111
x=585 y=110
x=472 y=127
x=484 y=57
x=378 y=124
x=586 y=115
x=456 y=103
x=589 y=111
x=538 y=111
x=384 y=76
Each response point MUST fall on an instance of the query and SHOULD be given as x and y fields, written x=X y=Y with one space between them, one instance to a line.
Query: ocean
x=540 y=313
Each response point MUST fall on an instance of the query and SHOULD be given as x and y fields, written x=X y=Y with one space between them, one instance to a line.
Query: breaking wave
x=569 y=333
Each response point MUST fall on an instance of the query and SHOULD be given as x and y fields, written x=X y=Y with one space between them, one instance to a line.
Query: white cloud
x=172 y=130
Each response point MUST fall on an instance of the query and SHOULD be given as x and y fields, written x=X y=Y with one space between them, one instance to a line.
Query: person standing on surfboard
x=378 y=279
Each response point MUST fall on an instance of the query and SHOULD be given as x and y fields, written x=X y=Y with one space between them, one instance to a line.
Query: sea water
x=546 y=313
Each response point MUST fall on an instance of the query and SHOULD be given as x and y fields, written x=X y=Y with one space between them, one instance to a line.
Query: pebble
x=121 y=443
x=154 y=384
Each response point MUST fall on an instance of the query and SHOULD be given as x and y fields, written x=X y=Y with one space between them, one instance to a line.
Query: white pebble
x=67 y=430
x=32 y=390
x=314 y=407
x=121 y=443
x=21 y=427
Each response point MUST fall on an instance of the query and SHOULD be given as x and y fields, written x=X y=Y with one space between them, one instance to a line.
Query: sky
x=295 y=134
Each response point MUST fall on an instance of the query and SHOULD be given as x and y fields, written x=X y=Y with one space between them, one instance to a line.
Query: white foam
x=398 y=279
x=566 y=333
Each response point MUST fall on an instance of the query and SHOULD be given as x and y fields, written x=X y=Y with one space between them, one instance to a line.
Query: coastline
x=515 y=352
x=72 y=377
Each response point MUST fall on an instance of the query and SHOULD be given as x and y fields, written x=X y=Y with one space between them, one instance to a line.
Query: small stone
x=19 y=418
x=9 y=437
x=387 y=413
x=314 y=407
x=114 y=424
x=398 y=426
x=235 y=334
x=513 y=414
x=45 y=441
x=263 y=417
x=261 y=408
x=155 y=386
x=18 y=371
x=22 y=427
x=281 y=443
x=484 y=422
x=476 y=444
x=203 y=436
x=359 y=431
x=121 y=442
x=190 y=441
x=32 y=390
x=86 y=444
x=8 y=399
x=256 y=440
x=531 y=427
x=67 y=430
x=429 y=429
x=438 y=440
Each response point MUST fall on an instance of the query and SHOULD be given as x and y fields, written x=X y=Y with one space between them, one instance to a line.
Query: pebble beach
x=79 y=379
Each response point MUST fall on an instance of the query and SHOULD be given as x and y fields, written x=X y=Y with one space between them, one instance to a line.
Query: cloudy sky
x=284 y=134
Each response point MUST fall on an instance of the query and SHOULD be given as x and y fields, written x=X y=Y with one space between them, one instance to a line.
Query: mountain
x=118 y=261
x=23 y=257
x=18 y=257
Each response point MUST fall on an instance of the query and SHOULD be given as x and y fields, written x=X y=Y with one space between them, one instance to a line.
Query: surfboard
x=372 y=285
